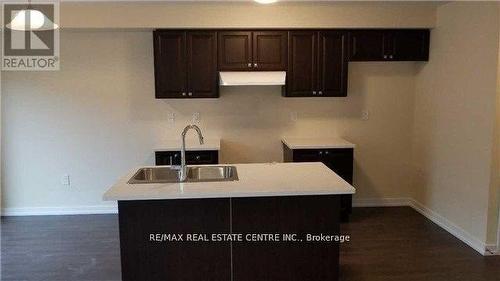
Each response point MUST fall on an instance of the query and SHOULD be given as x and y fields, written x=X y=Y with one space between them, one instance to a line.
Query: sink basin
x=154 y=175
x=212 y=173
x=194 y=174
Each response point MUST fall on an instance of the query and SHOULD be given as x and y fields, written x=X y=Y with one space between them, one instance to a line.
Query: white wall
x=295 y=14
x=494 y=216
x=97 y=118
x=454 y=117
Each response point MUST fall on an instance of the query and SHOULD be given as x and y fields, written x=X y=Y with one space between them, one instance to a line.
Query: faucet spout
x=183 y=170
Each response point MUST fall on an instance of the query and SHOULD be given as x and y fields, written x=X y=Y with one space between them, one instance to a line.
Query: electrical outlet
x=294 y=116
x=171 y=117
x=365 y=115
x=196 y=117
x=65 y=180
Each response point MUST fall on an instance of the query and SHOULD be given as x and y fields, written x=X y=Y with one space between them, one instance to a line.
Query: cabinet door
x=410 y=45
x=235 y=50
x=144 y=258
x=340 y=160
x=285 y=261
x=367 y=45
x=170 y=64
x=269 y=50
x=332 y=64
x=302 y=61
x=202 y=64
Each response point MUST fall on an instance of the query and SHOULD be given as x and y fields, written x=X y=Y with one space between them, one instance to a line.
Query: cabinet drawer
x=192 y=157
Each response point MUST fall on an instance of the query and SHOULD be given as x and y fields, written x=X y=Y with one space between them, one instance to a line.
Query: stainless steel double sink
x=194 y=174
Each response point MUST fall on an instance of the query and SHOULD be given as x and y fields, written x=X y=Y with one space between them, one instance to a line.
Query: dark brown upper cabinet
x=252 y=51
x=170 y=64
x=302 y=63
x=317 y=64
x=235 y=50
x=410 y=45
x=269 y=50
x=367 y=45
x=185 y=64
x=332 y=64
x=389 y=45
x=202 y=64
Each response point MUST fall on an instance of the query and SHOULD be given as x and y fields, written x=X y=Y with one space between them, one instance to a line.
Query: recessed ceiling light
x=266 y=1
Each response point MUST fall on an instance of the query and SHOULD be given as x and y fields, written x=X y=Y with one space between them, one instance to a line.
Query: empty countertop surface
x=315 y=143
x=255 y=180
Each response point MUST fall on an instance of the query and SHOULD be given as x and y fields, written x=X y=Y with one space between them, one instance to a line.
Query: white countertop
x=255 y=180
x=314 y=143
x=191 y=144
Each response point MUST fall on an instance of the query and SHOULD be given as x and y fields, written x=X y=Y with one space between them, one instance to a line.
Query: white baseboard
x=458 y=232
x=452 y=228
x=381 y=202
x=49 y=211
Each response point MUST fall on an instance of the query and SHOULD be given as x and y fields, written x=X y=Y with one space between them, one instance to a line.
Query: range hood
x=252 y=78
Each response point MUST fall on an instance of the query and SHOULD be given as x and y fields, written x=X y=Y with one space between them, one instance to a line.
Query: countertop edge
x=225 y=195
x=345 y=144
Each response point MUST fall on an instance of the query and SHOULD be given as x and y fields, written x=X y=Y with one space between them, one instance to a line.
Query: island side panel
x=293 y=261
x=143 y=259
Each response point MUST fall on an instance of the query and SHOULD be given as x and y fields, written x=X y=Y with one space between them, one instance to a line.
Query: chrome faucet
x=183 y=168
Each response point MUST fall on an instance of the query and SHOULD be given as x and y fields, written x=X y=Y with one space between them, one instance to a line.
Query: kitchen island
x=269 y=224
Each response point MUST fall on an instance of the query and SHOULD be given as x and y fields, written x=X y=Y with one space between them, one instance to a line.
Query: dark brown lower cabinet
x=286 y=261
x=142 y=259
x=193 y=157
x=145 y=258
x=339 y=160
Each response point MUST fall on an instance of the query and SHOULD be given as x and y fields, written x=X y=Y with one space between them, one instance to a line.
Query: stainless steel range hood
x=252 y=78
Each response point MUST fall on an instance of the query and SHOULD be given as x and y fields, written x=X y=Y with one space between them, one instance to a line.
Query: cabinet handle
x=190 y=94
x=198 y=157
x=391 y=56
x=183 y=94
x=320 y=93
x=249 y=64
x=321 y=153
x=170 y=160
x=255 y=65
x=314 y=92
x=385 y=56
x=326 y=152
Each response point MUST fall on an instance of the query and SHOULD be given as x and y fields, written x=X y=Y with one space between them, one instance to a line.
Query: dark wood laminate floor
x=387 y=244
